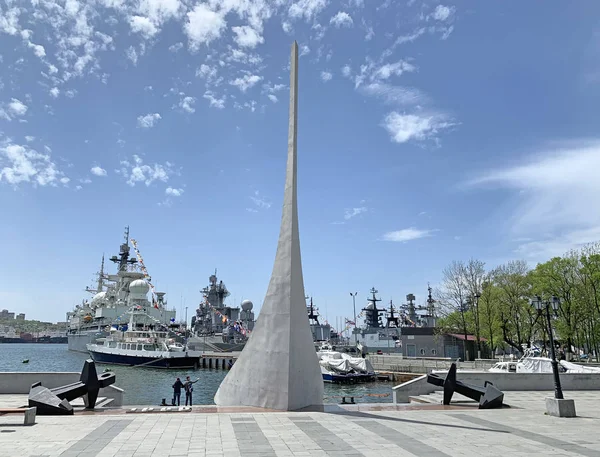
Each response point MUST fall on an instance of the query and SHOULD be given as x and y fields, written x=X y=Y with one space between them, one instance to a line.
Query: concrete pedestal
x=560 y=408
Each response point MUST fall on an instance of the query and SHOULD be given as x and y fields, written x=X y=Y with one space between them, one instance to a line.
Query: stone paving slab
x=521 y=431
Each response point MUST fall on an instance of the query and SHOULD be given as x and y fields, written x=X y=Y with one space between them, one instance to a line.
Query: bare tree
x=454 y=293
x=474 y=277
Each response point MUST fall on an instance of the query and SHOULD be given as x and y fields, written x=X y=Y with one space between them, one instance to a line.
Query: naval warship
x=374 y=335
x=216 y=326
x=110 y=304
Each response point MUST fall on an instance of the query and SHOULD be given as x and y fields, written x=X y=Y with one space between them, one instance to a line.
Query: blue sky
x=428 y=133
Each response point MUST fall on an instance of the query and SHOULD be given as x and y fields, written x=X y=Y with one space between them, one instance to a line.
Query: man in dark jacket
x=177 y=391
x=189 y=389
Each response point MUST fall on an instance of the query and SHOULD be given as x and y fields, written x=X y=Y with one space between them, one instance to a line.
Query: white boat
x=504 y=367
x=532 y=362
x=141 y=347
x=338 y=367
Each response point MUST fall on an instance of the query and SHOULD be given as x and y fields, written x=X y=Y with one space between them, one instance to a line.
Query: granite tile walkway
x=523 y=430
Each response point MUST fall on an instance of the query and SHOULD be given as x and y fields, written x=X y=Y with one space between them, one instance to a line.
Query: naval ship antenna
x=123 y=260
x=372 y=314
x=392 y=320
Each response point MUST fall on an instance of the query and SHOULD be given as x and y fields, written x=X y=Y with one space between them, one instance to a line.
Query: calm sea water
x=148 y=386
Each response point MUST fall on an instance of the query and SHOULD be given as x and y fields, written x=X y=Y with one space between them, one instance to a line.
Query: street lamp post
x=542 y=306
x=353 y=295
x=476 y=297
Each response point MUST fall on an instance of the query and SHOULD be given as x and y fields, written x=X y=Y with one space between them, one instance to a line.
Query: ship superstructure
x=218 y=326
x=320 y=332
x=375 y=335
x=113 y=296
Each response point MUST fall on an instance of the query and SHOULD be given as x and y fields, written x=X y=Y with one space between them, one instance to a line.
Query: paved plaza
x=361 y=430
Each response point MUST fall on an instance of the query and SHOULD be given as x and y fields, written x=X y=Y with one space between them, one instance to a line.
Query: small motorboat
x=25 y=360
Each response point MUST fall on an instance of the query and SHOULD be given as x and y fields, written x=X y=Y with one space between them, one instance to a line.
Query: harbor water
x=148 y=386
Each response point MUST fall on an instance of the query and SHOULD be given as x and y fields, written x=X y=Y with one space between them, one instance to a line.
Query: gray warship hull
x=77 y=341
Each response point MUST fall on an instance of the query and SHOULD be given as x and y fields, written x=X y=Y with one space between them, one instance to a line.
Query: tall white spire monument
x=278 y=368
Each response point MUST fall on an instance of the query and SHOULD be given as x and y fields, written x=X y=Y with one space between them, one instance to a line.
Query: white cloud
x=442 y=13
x=187 y=103
x=9 y=21
x=203 y=26
x=29 y=138
x=143 y=26
x=395 y=95
x=38 y=49
x=173 y=192
x=247 y=37
x=137 y=172
x=98 y=171
x=353 y=212
x=207 y=72
x=17 y=108
x=273 y=88
x=215 y=102
x=304 y=49
x=260 y=201
x=326 y=76
x=341 y=19
x=346 y=71
x=273 y=98
x=380 y=72
x=176 y=47
x=408 y=234
x=246 y=82
x=132 y=55
x=419 y=127
x=408 y=38
x=307 y=9
x=54 y=92
x=319 y=32
x=391 y=69
x=287 y=27
x=20 y=163
x=555 y=190
x=149 y=120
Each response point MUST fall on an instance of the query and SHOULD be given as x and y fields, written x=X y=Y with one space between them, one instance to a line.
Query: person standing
x=189 y=388
x=177 y=391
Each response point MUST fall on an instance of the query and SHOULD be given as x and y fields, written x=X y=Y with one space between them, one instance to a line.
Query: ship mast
x=123 y=260
x=372 y=314
x=312 y=316
x=100 y=284
x=392 y=320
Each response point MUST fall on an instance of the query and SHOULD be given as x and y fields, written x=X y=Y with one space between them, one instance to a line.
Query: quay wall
x=398 y=363
x=20 y=382
x=503 y=381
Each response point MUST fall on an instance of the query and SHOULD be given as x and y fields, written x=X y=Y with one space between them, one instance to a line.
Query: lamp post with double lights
x=353 y=295
x=543 y=307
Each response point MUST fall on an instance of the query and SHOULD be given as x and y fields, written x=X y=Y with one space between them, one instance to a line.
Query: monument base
x=560 y=408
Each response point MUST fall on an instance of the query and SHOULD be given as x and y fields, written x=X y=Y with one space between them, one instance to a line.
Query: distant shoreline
x=33 y=342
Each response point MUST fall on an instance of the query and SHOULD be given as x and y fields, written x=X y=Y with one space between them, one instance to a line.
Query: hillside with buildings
x=14 y=328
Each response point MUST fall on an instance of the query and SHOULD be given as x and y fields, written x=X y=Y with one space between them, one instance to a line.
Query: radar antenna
x=123 y=259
